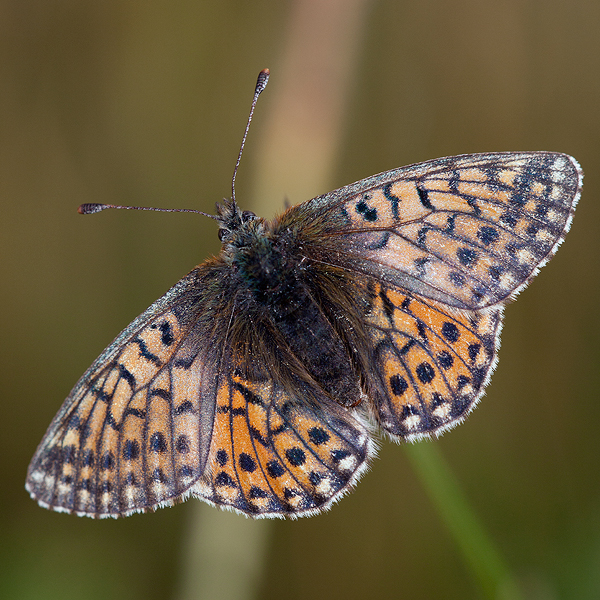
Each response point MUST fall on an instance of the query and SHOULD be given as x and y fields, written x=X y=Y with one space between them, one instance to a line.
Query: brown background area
x=144 y=103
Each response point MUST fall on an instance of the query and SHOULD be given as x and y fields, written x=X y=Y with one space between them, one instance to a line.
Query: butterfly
x=259 y=382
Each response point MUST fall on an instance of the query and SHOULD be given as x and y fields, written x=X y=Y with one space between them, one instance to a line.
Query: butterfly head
x=231 y=219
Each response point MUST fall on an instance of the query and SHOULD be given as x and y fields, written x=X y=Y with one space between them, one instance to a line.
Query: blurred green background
x=145 y=103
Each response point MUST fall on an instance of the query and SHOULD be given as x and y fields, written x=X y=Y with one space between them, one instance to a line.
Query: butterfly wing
x=135 y=431
x=430 y=362
x=468 y=231
x=281 y=451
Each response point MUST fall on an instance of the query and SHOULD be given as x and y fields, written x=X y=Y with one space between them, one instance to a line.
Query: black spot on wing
x=166 y=333
x=424 y=197
x=394 y=200
x=368 y=213
x=127 y=376
x=145 y=353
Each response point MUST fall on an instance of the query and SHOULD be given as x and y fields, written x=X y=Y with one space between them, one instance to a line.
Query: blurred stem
x=481 y=556
x=225 y=554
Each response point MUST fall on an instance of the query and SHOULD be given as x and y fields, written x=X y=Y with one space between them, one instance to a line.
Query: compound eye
x=222 y=233
x=248 y=215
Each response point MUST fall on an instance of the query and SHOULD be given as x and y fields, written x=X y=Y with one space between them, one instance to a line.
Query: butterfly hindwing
x=431 y=362
x=281 y=452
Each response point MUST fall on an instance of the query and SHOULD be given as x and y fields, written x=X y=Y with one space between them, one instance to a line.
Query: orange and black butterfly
x=257 y=383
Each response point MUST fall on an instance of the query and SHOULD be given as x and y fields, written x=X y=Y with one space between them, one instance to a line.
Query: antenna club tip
x=261 y=82
x=90 y=209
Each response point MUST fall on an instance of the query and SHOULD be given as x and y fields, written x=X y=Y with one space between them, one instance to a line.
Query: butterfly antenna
x=90 y=209
x=261 y=84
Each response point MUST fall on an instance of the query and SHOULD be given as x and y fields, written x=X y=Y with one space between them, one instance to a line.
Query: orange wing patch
x=276 y=455
x=434 y=362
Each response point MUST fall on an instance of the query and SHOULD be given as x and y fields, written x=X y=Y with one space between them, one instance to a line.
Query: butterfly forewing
x=135 y=431
x=468 y=231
